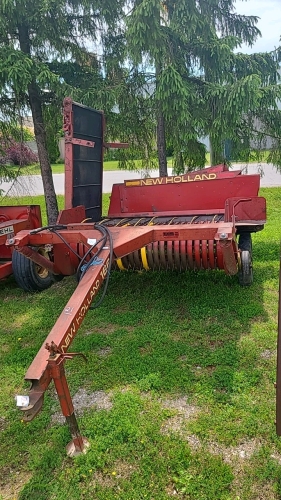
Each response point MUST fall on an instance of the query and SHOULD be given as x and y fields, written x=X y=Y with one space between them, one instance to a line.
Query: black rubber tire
x=246 y=264
x=245 y=242
x=246 y=269
x=27 y=276
x=57 y=277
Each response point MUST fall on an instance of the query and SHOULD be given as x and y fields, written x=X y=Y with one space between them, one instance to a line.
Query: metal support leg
x=79 y=444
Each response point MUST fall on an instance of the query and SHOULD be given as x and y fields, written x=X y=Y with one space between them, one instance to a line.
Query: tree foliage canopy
x=143 y=62
x=204 y=87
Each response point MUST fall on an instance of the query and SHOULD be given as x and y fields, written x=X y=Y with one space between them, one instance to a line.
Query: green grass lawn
x=181 y=366
x=58 y=168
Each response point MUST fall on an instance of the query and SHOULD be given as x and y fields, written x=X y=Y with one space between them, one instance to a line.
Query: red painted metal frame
x=68 y=152
x=63 y=333
x=14 y=219
x=56 y=360
x=125 y=239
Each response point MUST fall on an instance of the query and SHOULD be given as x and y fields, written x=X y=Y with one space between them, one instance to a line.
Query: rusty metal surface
x=57 y=373
x=137 y=259
x=229 y=251
x=150 y=256
x=131 y=260
x=177 y=262
x=246 y=210
x=197 y=255
x=189 y=251
x=72 y=215
x=219 y=256
x=156 y=256
x=170 y=257
x=26 y=212
x=11 y=227
x=161 y=247
x=162 y=255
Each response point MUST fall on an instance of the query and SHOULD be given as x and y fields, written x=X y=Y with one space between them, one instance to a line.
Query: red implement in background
x=199 y=220
x=12 y=220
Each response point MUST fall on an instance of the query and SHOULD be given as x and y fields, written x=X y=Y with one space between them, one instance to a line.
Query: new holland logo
x=151 y=181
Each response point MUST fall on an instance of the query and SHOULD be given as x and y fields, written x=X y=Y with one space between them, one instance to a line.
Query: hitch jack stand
x=79 y=444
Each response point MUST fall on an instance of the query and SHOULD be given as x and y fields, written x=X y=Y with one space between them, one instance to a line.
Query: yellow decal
x=171 y=180
x=132 y=183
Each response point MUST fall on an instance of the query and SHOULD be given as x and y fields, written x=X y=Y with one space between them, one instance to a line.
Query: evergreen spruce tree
x=201 y=86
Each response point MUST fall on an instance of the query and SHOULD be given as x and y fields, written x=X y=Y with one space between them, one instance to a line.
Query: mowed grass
x=182 y=365
x=58 y=168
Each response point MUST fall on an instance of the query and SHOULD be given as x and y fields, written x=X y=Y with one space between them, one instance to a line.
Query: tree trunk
x=40 y=133
x=216 y=153
x=46 y=171
x=161 y=136
x=161 y=145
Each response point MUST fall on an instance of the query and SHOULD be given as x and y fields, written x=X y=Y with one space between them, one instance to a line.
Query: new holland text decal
x=171 y=180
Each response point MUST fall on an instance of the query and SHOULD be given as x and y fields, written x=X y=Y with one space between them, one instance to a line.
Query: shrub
x=16 y=153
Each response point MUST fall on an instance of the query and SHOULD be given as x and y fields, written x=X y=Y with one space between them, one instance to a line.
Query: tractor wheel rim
x=41 y=271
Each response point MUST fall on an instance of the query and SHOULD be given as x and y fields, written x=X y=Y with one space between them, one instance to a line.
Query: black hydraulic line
x=87 y=265
x=65 y=242
x=106 y=235
x=55 y=227
x=100 y=300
